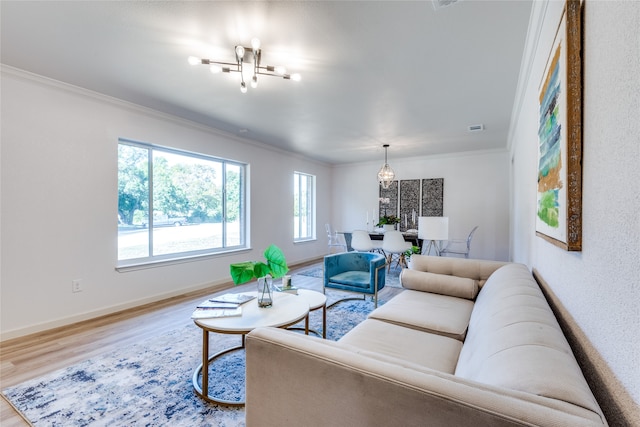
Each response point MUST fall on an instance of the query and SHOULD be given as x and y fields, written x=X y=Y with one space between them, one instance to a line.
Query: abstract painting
x=559 y=192
x=409 y=204
x=410 y=199
x=432 y=197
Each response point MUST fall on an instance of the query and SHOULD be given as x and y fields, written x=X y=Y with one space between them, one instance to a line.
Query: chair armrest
x=377 y=270
x=456 y=242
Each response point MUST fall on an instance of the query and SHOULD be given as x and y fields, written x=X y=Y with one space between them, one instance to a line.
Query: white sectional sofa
x=468 y=343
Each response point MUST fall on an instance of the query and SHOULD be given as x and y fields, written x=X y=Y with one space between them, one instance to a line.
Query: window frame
x=151 y=260
x=310 y=207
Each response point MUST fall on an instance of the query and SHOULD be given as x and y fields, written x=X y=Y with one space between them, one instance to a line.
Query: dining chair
x=394 y=245
x=459 y=246
x=334 y=240
x=361 y=242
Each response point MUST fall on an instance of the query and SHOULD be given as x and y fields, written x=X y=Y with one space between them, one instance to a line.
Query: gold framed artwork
x=559 y=192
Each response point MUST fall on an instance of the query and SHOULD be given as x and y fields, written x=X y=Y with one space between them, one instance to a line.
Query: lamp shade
x=433 y=228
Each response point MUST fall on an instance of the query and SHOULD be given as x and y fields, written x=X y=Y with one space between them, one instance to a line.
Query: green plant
x=409 y=252
x=276 y=266
x=388 y=219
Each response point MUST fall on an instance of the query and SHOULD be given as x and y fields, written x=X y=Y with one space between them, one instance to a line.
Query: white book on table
x=232 y=298
x=212 y=312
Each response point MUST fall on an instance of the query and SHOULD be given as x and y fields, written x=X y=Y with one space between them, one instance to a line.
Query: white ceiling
x=373 y=72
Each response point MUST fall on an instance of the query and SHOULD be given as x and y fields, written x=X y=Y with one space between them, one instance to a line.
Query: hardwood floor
x=35 y=355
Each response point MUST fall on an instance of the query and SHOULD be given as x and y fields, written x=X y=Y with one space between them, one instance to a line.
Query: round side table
x=317 y=300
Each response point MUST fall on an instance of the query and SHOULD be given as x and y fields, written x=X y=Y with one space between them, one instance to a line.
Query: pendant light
x=386 y=175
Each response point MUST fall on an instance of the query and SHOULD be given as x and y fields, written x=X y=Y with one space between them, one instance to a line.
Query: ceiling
x=373 y=73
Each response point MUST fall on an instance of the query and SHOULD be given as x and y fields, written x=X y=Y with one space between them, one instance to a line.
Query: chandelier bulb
x=239 y=52
x=239 y=65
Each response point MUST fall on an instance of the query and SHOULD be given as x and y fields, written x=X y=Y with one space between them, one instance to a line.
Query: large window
x=174 y=204
x=304 y=206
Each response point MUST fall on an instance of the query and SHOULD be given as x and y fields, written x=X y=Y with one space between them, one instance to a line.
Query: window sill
x=143 y=265
x=295 y=242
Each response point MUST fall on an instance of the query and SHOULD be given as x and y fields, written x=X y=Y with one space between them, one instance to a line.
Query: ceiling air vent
x=439 y=4
x=476 y=128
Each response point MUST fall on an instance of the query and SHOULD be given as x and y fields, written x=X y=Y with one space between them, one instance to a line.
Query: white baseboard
x=66 y=321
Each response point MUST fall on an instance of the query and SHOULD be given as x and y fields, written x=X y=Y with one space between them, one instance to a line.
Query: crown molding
x=126 y=105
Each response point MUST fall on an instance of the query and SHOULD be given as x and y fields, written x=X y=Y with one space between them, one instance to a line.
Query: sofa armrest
x=293 y=379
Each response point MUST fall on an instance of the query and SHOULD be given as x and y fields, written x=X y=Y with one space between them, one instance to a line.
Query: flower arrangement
x=276 y=266
x=388 y=220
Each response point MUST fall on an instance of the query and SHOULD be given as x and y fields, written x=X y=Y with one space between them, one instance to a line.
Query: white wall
x=476 y=192
x=59 y=203
x=599 y=285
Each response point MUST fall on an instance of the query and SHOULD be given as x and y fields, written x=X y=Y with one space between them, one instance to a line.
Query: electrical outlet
x=76 y=286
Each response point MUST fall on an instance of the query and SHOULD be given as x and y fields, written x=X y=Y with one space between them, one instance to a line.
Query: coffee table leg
x=324 y=321
x=203 y=370
x=205 y=362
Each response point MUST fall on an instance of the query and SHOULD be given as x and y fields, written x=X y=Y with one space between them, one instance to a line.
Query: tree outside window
x=196 y=201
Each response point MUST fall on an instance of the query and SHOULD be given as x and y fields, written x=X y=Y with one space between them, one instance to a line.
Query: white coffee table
x=287 y=310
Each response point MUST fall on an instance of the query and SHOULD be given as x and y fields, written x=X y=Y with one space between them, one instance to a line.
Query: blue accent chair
x=361 y=272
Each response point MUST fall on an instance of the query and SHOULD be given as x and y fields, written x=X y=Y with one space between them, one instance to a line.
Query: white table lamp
x=435 y=229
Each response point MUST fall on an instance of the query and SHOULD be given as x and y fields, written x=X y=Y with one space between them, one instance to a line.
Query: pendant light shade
x=386 y=175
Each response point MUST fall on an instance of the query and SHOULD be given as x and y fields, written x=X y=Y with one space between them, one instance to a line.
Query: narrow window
x=303 y=206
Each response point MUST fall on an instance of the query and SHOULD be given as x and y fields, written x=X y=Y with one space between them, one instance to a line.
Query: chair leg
x=402 y=261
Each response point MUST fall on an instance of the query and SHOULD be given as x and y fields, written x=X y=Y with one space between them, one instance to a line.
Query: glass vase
x=265 y=291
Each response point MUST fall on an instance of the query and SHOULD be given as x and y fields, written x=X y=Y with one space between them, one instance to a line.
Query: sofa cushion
x=443 y=284
x=400 y=344
x=475 y=269
x=424 y=311
x=514 y=341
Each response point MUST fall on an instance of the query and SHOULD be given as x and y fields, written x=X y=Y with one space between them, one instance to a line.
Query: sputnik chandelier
x=246 y=54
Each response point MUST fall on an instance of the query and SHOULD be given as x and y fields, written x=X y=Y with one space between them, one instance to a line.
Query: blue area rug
x=149 y=383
